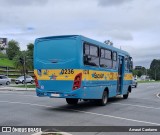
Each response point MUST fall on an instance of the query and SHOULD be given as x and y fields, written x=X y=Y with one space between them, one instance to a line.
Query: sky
x=132 y=25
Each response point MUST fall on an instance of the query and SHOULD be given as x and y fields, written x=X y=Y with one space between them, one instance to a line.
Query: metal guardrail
x=10 y=71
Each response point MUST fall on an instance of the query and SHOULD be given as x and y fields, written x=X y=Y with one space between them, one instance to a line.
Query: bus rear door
x=120 y=74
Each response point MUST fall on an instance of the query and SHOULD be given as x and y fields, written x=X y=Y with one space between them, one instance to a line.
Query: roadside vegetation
x=153 y=72
x=6 y=62
x=20 y=57
x=14 y=60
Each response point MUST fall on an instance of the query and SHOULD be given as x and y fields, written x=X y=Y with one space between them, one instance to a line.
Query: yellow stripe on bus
x=69 y=74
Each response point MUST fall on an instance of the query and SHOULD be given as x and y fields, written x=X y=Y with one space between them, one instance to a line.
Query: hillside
x=6 y=62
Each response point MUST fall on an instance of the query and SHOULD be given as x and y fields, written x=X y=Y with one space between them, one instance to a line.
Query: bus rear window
x=56 y=49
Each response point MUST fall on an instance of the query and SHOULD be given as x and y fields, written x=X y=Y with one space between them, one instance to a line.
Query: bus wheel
x=71 y=101
x=126 y=95
x=104 y=99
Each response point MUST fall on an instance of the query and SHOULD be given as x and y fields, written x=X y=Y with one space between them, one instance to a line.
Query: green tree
x=29 y=55
x=135 y=72
x=140 y=72
x=18 y=64
x=155 y=69
x=13 y=49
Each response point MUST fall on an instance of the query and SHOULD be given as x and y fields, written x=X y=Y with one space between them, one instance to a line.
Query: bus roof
x=92 y=41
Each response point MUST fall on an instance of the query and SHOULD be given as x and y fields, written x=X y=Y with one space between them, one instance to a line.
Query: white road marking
x=147 y=98
x=5 y=93
x=25 y=104
x=141 y=106
x=122 y=118
x=148 y=107
x=15 y=92
x=98 y=114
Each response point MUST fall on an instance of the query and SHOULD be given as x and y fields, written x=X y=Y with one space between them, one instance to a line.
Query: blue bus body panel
x=53 y=54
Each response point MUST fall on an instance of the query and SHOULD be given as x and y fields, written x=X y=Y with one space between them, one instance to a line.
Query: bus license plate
x=55 y=95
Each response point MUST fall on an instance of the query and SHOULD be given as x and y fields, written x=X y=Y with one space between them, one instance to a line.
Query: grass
x=6 y=62
x=28 y=86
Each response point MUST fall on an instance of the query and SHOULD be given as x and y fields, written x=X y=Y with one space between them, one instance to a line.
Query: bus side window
x=91 y=56
x=86 y=49
x=106 y=58
x=103 y=62
x=127 y=63
x=114 y=60
x=130 y=64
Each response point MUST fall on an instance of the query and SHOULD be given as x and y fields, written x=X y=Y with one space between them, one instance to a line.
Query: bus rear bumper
x=57 y=94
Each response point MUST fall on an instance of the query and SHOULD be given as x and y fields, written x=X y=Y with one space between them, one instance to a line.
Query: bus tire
x=71 y=101
x=104 y=99
x=125 y=96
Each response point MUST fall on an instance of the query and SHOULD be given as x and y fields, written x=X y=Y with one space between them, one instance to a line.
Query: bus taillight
x=36 y=81
x=77 y=81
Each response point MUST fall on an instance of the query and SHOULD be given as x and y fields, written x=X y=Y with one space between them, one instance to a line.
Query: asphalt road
x=142 y=108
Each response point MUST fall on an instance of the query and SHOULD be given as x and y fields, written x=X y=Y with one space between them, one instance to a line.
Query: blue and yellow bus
x=75 y=67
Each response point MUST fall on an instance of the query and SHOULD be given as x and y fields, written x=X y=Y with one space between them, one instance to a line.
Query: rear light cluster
x=36 y=81
x=77 y=81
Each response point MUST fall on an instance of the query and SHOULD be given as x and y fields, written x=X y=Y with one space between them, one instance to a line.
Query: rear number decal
x=67 y=71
